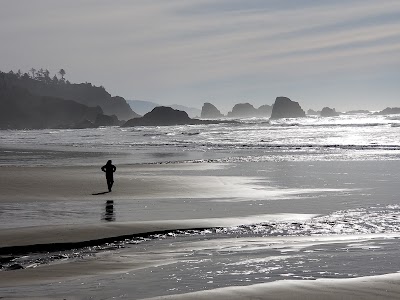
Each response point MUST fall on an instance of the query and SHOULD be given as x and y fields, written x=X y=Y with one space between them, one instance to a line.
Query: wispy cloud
x=167 y=44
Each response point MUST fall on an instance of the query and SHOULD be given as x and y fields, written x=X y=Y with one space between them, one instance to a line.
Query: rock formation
x=246 y=110
x=265 y=110
x=209 y=111
x=166 y=116
x=84 y=93
x=243 y=110
x=191 y=111
x=328 y=112
x=104 y=120
x=19 y=109
x=312 y=112
x=358 y=111
x=389 y=111
x=286 y=108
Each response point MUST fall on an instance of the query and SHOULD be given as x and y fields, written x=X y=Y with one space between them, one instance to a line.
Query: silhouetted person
x=109 y=168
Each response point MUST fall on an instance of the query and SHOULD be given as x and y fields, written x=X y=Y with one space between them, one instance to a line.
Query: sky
x=343 y=54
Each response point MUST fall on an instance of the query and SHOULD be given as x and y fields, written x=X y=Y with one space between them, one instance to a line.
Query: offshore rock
x=328 y=112
x=357 y=111
x=167 y=116
x=264 y=110
x=160 y=116
x=104 y=120
x=209 y=111
x=312 y=112
x=286 y=108
x=389 y=111
x=243 y=110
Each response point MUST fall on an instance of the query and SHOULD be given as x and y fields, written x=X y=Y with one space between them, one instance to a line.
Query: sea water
x=347 y=137
x=335 y=181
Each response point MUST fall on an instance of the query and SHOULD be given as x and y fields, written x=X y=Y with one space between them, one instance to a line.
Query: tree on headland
x=62 y=73
x=33 y=70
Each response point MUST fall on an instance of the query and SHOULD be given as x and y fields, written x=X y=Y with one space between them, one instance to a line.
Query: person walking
x=109 y=169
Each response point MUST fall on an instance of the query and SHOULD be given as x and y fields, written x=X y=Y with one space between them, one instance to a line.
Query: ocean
x=301 y=199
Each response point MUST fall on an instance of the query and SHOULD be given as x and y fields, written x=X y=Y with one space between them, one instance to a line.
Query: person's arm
x=103 y=168
x=114 y=168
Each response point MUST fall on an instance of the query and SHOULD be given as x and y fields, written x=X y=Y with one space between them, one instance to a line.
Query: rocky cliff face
x=19 y=109
x=286 y=108
x=209 y=111
x=328 y=112
x=84 y=93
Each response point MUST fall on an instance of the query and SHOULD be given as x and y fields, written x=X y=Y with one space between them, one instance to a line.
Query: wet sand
x=24 y=185
x=131 y=181
x=76 y=184
x=374 y=287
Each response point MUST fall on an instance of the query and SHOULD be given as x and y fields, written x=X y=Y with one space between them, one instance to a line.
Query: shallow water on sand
x=184 y=264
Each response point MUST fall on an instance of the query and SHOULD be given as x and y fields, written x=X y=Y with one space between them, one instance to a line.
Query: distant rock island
x=331 y=112
x=39 y=101
x=167 y=116
x=328 y=112
x=286 y=108
x=357 y=111
x=143 y=107
x=246 y=110
x=241 y=110
x=209 y=111
x=389 y=111
x=312 y=112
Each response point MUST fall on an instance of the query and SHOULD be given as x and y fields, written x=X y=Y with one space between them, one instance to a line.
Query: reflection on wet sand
x=109 y=214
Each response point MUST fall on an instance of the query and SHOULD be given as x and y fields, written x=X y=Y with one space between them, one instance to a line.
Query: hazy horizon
x=341 y=54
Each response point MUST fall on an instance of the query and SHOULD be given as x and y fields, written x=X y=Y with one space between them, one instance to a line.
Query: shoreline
x=62 y=237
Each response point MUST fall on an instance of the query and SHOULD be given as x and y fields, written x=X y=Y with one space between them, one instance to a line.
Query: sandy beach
x=64 y=208
x=373 y=287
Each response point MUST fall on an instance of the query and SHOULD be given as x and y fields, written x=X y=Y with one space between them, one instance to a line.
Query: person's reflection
x=109 y=214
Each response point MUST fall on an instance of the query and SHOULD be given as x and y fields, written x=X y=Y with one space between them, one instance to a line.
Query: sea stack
x=161 y=116
x=286 y=108
x=243 y=110
x=265 y=110
x=389 y=111
x=312 y=112
x=209 y=111
x=328 y=112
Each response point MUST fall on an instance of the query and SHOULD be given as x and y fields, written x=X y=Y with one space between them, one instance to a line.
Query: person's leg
x=109 y=184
